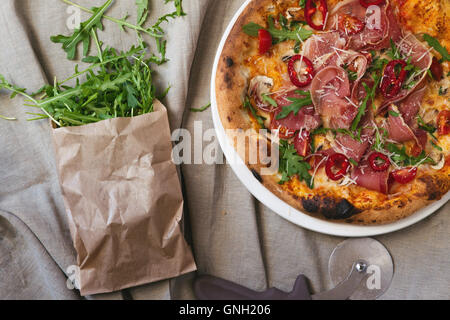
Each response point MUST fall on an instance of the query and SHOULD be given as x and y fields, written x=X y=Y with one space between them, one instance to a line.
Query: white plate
x=279 y=206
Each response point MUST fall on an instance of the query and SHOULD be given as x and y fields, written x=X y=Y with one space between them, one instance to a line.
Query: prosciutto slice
x=404 y=127
x=376 y=24
x=368 y=178
x=330 y=91
x=306 y=118
x=409 y=108
x=321 y=49
x=395 y=32
x=397 y=128
x=352 y=148
x=420 y=57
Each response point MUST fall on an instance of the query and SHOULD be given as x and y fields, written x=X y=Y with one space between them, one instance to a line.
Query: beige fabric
x=233 y=235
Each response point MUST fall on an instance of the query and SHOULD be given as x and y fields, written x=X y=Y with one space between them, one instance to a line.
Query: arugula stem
x=77 y=74
x=7 y=118
x=118 y=21
x=97 y=43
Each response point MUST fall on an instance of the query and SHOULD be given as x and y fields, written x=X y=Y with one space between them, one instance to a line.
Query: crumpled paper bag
x=124 y=201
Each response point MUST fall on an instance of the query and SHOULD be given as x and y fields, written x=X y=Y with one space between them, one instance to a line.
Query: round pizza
x=355 y=95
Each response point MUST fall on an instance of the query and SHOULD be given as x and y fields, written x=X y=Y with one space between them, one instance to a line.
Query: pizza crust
x=231 y=87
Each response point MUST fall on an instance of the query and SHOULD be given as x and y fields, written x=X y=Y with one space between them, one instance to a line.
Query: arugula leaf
x=142 y=11
x=352 y=75
x=179 y=7
x=426 y=127
x=377 y=64
x=296 y=105
x=123 y=23
x=323 y=130
x=393 y=113
x=394 y=52
x=293 y=32
x=206 y=107
x=269 y=100
x=401 y=158
x=292 y=164
x=436 y=146
x=433 y=42
x=83 y=33
x=302 y=4
x=249 y=106
x=252 y=29
x=370 y=96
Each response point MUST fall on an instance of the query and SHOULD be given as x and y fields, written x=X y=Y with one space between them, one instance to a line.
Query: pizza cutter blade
x=380 y=267
x=359 y=268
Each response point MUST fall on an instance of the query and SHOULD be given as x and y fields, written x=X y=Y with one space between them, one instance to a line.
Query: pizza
x=354 y=94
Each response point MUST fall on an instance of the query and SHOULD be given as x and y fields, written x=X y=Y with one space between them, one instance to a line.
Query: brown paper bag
x=124 y=201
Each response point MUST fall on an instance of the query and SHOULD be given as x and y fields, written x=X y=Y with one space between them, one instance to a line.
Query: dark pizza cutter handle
x=212 y=288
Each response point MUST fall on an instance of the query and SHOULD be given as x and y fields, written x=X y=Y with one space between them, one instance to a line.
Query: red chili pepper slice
x=374 y=161
x=339 y=161
x=302 y=143
x=350 y=25
x=436 y=69
x=404 y=175
x=392 y=84
x=293 y=74
x=265 y=41
x=443 y=122
x=311 y=8
x=368 y=3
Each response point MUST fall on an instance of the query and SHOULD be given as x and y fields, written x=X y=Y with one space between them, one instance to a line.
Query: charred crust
x=311 y=205
x=436 y=186
x=330 y=208
x=229 y=62
x=229 y=118
x=228 y=80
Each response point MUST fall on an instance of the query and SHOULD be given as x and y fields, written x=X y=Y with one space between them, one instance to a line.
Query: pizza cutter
x=359 y=268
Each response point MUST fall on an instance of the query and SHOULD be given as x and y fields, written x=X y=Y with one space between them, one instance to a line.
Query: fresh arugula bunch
x=292 y=164
x=88 y=28
x=116 y=84
x=288 y=31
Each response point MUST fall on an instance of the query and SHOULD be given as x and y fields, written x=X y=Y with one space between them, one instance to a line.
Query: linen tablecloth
x=233 y=235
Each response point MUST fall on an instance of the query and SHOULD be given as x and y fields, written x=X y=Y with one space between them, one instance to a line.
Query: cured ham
x=398 y=129
x=330 y=91
x=368 y=178
x=375 y=22
x=302 y=142
x=321 y=49
x=306 y=118
x=353 y=148
x=415 y=51
x=411 y=105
